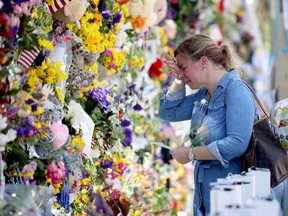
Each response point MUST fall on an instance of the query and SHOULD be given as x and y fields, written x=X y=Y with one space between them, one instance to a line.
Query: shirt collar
x=227 y=77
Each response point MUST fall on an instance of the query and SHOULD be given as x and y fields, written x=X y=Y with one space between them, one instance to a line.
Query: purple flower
x=39 y=59
x=25 y=128
x=13 y=111
x=117 y=18
x=33 y=104
x=20 y=1
x=106 y=14
x=109 y=25
x=85 y=174
x=100 y=96
x=7 y=6
x=128 y=139
x=132 y=87
x=137 y=107
x=125 y=123
x=107 y=164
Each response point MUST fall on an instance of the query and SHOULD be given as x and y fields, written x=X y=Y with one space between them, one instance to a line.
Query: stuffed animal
x=71 y=12
x=78 y=77
x=120 y=204
x=161 y=10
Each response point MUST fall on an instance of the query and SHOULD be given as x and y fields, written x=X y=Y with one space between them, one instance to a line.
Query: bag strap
x=257 y=99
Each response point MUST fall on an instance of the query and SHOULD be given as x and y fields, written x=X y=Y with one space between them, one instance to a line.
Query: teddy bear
x=78 y=76
x=71 y=12
x=120 y=204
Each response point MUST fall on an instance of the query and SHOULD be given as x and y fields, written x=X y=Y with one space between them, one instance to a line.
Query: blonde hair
x=199 y=45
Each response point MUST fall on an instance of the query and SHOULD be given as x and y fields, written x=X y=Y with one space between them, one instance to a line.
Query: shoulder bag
x=265 y=150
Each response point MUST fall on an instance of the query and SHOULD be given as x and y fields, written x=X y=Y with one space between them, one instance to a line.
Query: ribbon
x=58 y=4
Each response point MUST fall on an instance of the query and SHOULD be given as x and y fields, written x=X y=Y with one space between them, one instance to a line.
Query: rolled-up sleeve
x=176 y=106
x=240 y=113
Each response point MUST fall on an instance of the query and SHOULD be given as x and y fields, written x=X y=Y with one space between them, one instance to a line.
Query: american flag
x=167 y=130
x=58 y=4
x=27 y=57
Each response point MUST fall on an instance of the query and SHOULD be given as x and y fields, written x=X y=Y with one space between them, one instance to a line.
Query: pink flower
x=52 y=167
x=61 y=165
x=56 y=172
x=108 y=52
x=112 y=64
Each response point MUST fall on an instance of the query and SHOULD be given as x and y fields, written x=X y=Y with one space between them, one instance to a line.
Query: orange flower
x=138 y=22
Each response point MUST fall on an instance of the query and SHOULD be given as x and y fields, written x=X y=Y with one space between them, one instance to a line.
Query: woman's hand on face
x=181 y=155
x=170 y=61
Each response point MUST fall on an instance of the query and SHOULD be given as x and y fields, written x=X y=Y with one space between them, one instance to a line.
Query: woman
x=222 y=112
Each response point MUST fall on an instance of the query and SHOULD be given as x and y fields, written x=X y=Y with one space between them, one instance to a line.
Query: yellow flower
x=98 y=17
x=46 y=44
x=50 y=2
x=59 y=94
x=121 y=179
x=97 y=189
x=40 y=72
x=62 y=75
x=35 y=13
x=33 y=82
x=78 y=141
x=96 y=2
x=113 y=38
x=136 y=213
x=94 y=67
x=39 y=111
x=156 y=82
x=86 y=181
x=125 y=10
x=138 y=129
x=164 y=41
x=57 y=188
x=77 y=201
x=84 y=191
x=49 y=80
x=57 y=205
x=28 y=174
x=170 y=51
x=44 y=134
x=116 y=7
x=111 y=99
x=85 y=198
x=51 y=73
x=48 y=180
x=37 y=125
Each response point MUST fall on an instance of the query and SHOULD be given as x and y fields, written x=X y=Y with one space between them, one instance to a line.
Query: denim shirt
x=227 y=121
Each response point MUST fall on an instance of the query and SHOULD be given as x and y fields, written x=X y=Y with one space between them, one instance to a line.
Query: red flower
x=156 y=68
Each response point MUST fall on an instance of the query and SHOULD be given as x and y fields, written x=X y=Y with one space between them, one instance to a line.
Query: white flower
x=8 y=137
x=138 y=143
x=23 y=113
x=95 y=153
x=143 y=8
x=76 y=115
x=117 y=147
x=121 y=39
x=3 y=123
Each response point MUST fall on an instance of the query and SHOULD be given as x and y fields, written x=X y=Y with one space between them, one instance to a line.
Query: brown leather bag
x=265 y=150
